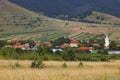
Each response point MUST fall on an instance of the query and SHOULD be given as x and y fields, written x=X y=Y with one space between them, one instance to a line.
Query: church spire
x=106 y=45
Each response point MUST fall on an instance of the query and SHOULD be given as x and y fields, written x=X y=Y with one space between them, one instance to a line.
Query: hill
x=73 y=8
x=12 y=15
x=19 y=23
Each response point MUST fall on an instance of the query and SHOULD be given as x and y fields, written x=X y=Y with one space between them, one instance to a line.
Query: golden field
x=55 y=71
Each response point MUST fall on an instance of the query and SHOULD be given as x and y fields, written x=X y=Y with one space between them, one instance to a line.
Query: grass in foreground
x=54 y=70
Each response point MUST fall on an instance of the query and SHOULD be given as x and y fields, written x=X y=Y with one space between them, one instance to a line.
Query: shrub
x=104 y=59
x=64 y=65
x=17 y=65
x=37 y=64
x=105 y=51
x=69 y=54
x=80 y=64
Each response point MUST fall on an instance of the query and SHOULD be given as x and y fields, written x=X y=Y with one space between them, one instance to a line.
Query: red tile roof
x=65 y=45
x=74 y=42
x=17 y=45
x=96 y=44
x=83 y=48
x=118 y=45
x=47 y=44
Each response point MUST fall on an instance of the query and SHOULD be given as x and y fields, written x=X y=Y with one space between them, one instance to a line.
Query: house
x=118 y=45
x=65 y=45
x=37 y=43
x=8 y=46
x=29 y=47
x=84 y=48
x=74 y=43
x=17 y=44
x=55 y=50
x=114 y=52
x=47 y=44
x=26 y=45
x=96 y=45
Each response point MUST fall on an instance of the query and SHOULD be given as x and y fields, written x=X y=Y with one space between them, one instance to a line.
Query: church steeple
x=106 y=45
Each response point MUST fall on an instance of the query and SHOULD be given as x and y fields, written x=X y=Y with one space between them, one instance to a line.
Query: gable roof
x=65 y=45
x=17 y=45
x=74 y=42
x=47 y=44
x=83 y=48
x=96 y=45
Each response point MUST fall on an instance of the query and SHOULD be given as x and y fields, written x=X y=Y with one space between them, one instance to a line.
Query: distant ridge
x=73 y=8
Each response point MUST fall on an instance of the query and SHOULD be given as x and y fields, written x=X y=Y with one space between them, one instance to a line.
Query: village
x=62 y=43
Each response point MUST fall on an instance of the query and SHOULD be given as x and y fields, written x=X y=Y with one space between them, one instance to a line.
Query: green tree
x=60 y=41
x=69 y=54
x=113 y=45
x=2 y=43
x=9 y=52
x=37 y=64
x=41 y=50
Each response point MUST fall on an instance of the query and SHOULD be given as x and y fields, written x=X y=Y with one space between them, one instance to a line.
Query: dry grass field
x=55 y=71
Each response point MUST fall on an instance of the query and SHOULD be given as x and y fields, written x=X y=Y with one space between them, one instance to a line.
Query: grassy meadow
x=54 y=70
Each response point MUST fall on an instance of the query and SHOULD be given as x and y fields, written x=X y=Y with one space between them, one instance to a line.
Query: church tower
x=106 y=45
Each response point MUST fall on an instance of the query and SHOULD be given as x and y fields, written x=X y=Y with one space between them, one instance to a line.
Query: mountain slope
x=103 y=18
x=73 y=8
x=15 y=18
x=9 y=8
x=19 y=23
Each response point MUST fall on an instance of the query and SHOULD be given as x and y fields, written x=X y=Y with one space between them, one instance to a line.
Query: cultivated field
x=77 y=33
x=55 y=71
x=22 y=24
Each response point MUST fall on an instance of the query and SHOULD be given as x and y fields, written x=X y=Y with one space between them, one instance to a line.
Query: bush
x=104 y=59
x=105 y=51
x=80 y=64
x=69 y=54
x=64 y=65
x=37 y=64
x=17 y=65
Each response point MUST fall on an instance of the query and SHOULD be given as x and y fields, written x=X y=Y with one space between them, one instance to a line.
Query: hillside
x=103 y=18
x=7 y=8
x=12 y=15
x=73 y=8
x=19 y=23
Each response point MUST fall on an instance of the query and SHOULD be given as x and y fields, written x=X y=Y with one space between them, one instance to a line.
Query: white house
x=114 y=52
x=74 y=43
x=55 y=50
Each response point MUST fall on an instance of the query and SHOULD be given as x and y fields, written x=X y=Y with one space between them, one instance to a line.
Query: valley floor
x=54 y=70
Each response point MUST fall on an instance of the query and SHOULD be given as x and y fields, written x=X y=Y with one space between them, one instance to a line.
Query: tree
x=60 y=41
x=41 y=50
x=2 y=43
x=113 y=45
x=26 y=41
x=37 y=64
x=69 y=54
x=9 y=52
